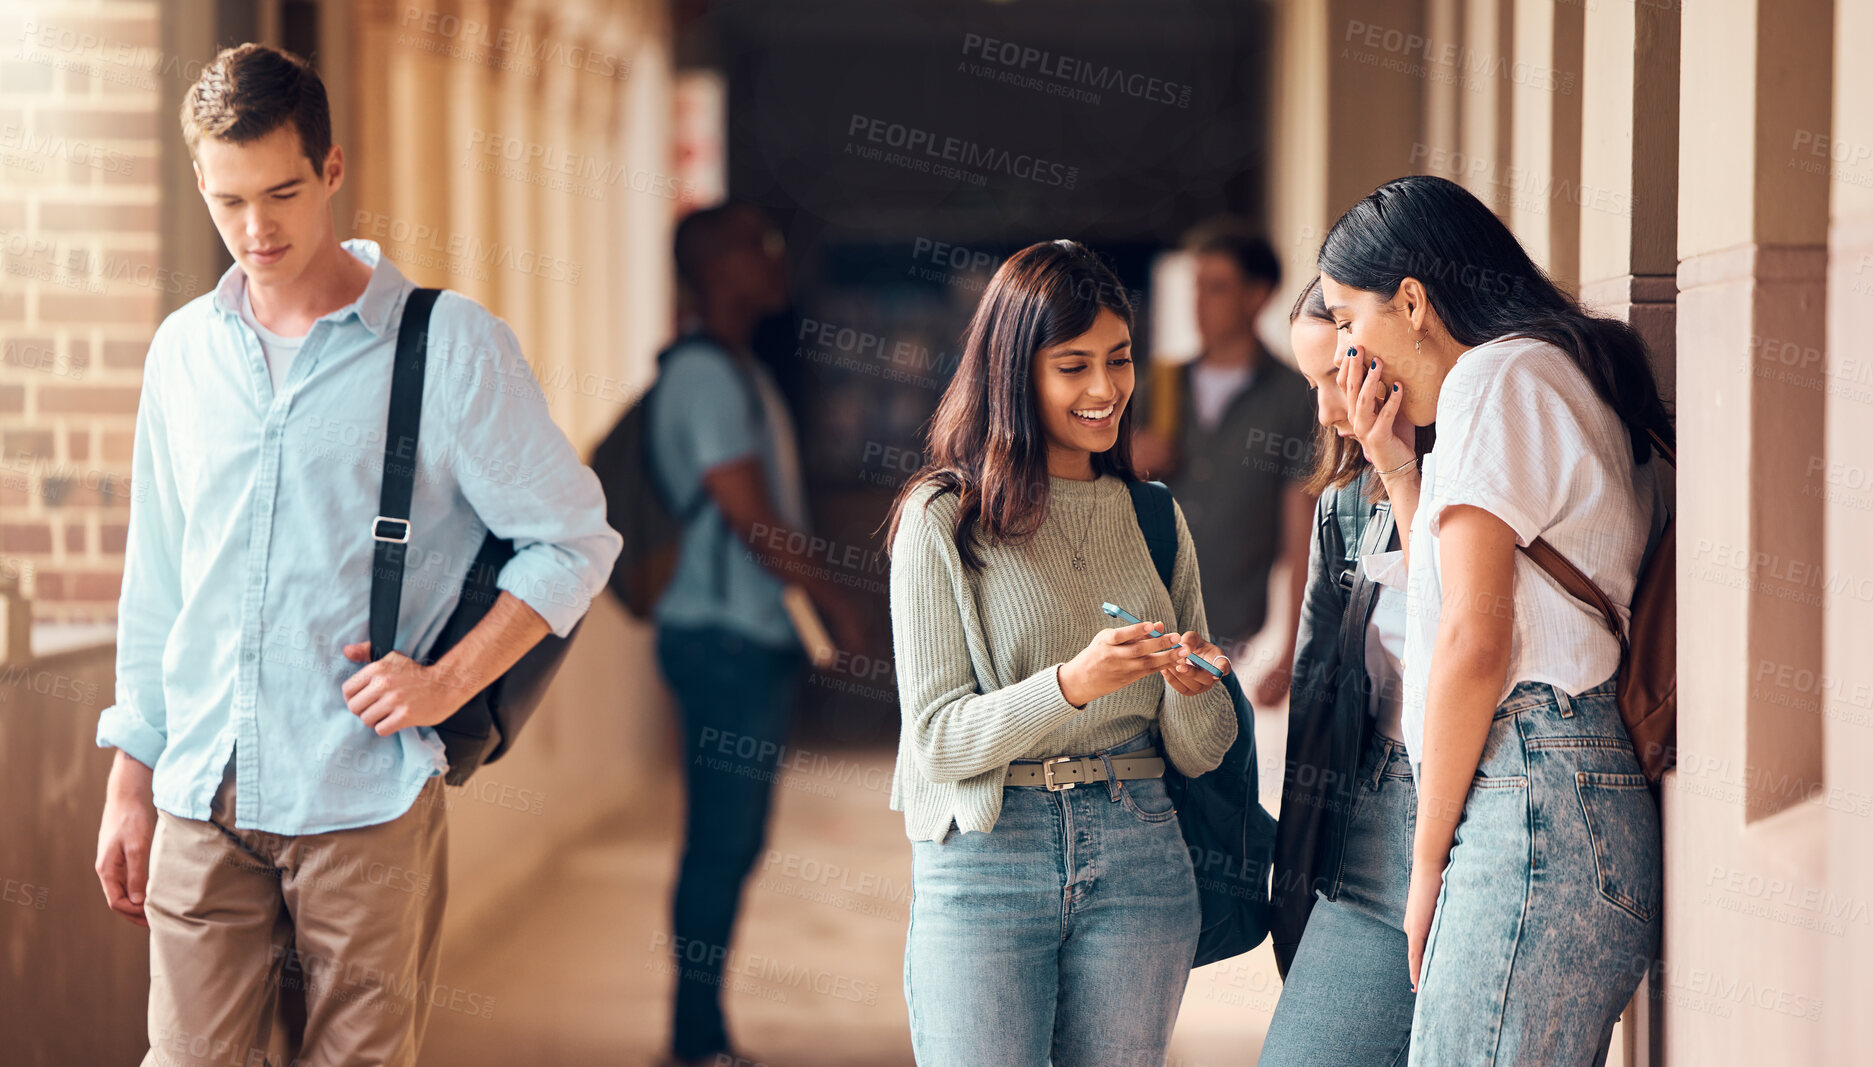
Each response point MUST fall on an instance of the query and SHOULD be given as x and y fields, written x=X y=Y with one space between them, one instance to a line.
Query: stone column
x=1486 y=118
x=1543 y=83
x=1628 y=214
x=1628 y=192
x=1840 y=478
x=1741 y=980
x=1348 y=106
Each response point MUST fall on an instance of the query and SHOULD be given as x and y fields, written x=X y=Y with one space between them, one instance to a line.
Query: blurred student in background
x=723 y=451
x=1231 y=432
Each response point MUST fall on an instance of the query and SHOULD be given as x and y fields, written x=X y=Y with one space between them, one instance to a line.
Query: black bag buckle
x=378 y=534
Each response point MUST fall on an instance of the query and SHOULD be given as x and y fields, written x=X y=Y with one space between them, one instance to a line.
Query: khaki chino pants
x=347 y=920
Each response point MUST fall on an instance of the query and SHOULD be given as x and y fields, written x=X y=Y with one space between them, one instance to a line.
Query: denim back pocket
x=1622 y=822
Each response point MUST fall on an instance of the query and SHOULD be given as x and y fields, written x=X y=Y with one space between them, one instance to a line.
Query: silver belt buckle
x=1047 y=774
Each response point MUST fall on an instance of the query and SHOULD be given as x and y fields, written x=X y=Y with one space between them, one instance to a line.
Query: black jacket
x=1328 y=719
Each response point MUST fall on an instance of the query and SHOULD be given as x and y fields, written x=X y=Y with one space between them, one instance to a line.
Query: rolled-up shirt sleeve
x=526 y=483
x=151 y=596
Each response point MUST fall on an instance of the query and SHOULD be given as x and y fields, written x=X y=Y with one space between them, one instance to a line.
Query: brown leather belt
x=1065 y=772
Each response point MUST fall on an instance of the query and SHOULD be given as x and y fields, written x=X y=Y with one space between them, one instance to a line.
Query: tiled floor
x=581 y=976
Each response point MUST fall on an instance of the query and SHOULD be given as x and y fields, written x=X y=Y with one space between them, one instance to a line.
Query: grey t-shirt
x=1230 y=481
x=278 y=350
x=700 y=419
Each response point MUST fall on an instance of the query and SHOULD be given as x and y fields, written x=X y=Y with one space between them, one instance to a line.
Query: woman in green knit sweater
x=1054 y=911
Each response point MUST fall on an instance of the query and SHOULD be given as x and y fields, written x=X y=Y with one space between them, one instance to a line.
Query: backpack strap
x=1362 y=593
x=1670 y=453
x=1575 y=580
x=1578 y=585
x=1350 y=513
x=391 y=529
x=1152 y=502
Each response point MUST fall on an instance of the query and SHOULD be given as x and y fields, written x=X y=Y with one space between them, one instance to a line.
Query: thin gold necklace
x=1079 y=557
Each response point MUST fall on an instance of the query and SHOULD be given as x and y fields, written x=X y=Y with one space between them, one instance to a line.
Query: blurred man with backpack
x=712 y=444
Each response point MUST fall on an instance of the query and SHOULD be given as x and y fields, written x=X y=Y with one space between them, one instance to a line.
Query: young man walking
x=275 y=794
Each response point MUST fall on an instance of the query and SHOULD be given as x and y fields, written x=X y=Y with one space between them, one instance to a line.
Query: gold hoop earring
x=1418 y=346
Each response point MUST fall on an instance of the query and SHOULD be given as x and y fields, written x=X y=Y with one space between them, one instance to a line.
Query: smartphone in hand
x=1127 y=617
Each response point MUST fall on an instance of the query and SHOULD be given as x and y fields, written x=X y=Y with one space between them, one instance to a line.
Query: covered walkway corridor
x=1703 y=169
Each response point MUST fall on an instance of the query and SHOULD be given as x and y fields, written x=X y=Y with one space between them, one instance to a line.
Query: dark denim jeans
x=1347 y=1001
x=1063 y=936
x=736 y=697
x=1549 y=914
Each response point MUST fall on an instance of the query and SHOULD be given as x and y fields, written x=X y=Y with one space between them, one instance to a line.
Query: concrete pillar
x=1377 y=86
x=1626 y=206
x=1628 y=192
x=187 y=243
x=523 y=232
x=1742 y=977
x=1841 y=480
x=1444 y=88
x=1543 y=85
x=1486 y=118
x=1297 y=198
x=1346 y=65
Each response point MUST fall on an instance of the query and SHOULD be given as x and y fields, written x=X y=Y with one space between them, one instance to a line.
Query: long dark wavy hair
x=986 y=443
x=1339 y=461
x=1483 y=286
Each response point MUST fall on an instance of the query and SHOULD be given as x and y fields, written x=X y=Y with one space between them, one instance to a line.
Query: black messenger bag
x=484 y=728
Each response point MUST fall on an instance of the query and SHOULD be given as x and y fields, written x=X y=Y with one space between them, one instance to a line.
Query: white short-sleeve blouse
x=1522 y=435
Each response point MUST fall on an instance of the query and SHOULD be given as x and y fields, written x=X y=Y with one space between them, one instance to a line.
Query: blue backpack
x=1230 y=836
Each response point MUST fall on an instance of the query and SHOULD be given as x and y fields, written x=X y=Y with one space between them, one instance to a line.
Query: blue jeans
x=1549 y=914
x=736 y=696
x=1348 y=999
x=1063 y=935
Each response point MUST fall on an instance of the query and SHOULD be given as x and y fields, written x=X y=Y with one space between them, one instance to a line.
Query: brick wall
x=82 y=286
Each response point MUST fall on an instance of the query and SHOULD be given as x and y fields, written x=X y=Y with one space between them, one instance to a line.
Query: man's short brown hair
x=250 y=91
x=1242 y=243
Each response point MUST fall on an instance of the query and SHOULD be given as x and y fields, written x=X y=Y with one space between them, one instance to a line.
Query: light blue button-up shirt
x=248 y=563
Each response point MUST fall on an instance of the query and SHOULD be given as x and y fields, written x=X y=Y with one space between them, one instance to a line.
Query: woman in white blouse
x=1533 y=908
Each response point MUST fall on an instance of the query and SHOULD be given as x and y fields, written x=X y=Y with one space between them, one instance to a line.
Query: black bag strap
x=1349 y=515
x=391 y=529
x=1363 y=592
x=1151 y=503
x=1156 y=520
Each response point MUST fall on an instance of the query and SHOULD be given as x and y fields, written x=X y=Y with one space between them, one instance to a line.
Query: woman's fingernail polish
x=1394 y=387
x=1375 y=364
x=1352 y=351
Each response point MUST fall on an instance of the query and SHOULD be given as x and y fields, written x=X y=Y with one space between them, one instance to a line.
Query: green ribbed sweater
x=976 y=652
